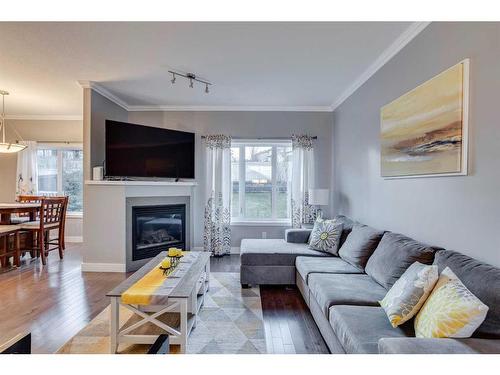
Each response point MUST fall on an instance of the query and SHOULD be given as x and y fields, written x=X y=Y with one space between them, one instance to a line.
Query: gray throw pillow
x=360 y=245
x=325 y=236
x=393 y=255
x=347 y=225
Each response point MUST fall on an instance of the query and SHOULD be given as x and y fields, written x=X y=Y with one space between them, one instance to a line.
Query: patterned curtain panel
x=27 y=176
x=217 y=233
x=302 y=180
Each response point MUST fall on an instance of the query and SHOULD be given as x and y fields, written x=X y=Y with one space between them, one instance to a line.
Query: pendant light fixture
x=7 y=148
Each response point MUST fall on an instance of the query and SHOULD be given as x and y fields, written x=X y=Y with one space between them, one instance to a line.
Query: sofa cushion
x=343 y=289
x=360 y=245
x=274 y=252
x=438 y=346
x=393 y=255
x=359 y=328
x=347 y=225
x=308 y=265
x=483 y=280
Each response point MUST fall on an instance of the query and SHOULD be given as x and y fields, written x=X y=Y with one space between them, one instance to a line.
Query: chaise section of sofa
x=272 y=261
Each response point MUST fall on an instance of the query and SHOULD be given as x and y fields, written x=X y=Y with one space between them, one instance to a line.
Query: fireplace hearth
x=156 y=228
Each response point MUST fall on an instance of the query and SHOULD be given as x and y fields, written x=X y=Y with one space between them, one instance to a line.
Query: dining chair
x=52 y=210
x=25 y=217
x=6 y=249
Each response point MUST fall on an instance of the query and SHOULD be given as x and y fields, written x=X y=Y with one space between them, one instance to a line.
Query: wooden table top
x=179 y=284
x=7 y=229
x=19 y=205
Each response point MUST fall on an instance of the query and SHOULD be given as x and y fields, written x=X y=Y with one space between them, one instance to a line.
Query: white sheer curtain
x=302 y=180
x=217 y=233
x=27 y=175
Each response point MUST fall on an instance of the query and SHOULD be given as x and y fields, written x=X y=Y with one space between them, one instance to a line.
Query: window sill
x=74 y=215
x=260 y=223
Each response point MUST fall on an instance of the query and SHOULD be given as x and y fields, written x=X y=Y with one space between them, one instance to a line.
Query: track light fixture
x=192 y=78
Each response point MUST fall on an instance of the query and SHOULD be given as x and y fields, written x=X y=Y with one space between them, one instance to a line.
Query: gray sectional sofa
x=343 y=291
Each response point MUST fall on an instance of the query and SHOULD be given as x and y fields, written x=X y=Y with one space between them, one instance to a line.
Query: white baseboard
x=74 y=239
x=103 y=267
x=234 y=249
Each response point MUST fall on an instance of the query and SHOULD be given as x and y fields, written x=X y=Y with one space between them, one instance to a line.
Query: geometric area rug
x=230 y=322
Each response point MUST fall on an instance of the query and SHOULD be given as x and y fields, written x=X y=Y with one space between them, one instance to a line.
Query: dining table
x=7 y=209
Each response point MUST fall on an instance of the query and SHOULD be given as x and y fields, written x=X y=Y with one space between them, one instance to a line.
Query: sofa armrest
x=416 y=345
x=297 y=235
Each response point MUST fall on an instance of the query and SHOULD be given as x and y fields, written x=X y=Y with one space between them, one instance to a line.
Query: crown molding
x=406 y=37
x=104 y=92
x=218 y=108
x=45 y=117
x=409 y=34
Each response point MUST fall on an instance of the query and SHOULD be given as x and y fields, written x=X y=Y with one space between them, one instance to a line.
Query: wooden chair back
x=52 y=210
x=28 y=199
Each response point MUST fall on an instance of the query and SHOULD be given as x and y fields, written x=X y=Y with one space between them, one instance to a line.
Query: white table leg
x=183 y=316
x=114 y=324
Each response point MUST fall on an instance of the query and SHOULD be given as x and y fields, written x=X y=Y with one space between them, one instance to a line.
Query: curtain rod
x=260 y=138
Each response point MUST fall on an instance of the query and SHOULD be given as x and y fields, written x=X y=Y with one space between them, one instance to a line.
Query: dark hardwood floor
x=56 y=301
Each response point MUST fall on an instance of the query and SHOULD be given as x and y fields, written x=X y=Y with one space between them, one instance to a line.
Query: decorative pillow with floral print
x=325 y=236
x=403 y=301
x=451 y=310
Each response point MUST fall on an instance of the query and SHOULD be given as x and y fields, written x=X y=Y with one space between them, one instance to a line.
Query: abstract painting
x=424 y=132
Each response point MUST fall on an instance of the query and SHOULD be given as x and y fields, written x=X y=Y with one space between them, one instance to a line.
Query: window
x=261 y=181
x=60 y=172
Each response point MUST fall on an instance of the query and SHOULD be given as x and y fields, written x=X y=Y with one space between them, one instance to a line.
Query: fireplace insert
x=156 y=228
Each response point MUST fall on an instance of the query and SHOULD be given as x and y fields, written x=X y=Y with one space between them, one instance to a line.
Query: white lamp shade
x=10 y=148
x=319 y=197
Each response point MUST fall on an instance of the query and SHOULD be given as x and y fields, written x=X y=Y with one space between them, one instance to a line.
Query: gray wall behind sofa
x=458 y=213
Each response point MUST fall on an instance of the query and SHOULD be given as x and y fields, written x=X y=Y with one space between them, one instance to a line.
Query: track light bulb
x=206 y=88
x=173 y=78
x=191 y=82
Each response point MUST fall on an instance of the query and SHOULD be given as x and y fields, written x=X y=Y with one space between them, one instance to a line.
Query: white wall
x=459 y=213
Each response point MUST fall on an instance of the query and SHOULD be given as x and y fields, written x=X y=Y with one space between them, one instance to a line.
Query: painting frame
x=464 y=154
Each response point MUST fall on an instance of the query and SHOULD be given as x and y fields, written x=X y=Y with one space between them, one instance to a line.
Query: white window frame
x=59 y=147
x=241 y=220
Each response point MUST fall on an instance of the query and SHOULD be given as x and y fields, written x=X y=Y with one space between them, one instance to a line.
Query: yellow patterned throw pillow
x=408 y=294
x=450 y=311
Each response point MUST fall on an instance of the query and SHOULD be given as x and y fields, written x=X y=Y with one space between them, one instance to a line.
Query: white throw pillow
x=325 y=236
x=408 y=294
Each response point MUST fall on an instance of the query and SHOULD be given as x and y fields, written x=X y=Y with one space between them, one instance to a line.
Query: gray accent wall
x=102 y=109
x=238 y=124
x=460 y=213
x=246 y=125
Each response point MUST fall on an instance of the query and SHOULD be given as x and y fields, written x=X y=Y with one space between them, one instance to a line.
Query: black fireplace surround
x=156 y=228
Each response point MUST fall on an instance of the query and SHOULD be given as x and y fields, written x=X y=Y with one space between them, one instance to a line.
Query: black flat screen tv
x=144 y=151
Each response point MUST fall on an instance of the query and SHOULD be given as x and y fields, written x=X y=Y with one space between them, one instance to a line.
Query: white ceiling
x=270 y=65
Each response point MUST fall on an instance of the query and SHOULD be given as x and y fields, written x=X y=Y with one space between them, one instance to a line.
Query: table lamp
x=319 y=197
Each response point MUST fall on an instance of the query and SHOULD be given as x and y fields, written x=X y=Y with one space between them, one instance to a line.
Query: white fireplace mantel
x=105 y=218
x=139 y=183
